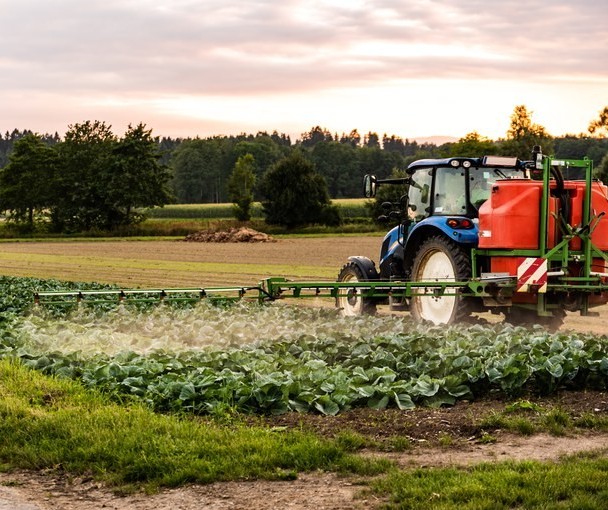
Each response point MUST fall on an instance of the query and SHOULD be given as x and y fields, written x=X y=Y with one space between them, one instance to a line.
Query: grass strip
x=52 y=423
x=575 y=482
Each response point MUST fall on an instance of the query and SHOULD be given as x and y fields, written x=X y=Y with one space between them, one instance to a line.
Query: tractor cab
x=443 y=198
x=453 y=187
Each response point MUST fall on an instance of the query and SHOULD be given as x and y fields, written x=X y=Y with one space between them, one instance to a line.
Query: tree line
x=89 y=180
x=93 y=179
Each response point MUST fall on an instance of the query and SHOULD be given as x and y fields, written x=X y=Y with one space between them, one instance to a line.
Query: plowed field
x=175 y=263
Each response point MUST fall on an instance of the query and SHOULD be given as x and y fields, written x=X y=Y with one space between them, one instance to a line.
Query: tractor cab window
x=420 y=195
x=450 y=191
x=482 y=179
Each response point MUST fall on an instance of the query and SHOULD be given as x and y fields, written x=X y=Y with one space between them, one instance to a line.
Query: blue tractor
x=438 y=229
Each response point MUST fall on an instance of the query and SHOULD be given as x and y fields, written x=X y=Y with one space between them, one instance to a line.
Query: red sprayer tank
x=510 y=219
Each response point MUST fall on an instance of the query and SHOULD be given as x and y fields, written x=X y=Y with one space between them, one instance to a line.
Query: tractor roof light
x=500 y=161
x=455 y=163
x=466 y=164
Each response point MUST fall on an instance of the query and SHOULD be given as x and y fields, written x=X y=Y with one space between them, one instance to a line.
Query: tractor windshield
x=461 y=191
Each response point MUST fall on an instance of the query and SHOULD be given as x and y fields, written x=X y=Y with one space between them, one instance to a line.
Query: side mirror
x=369 y=186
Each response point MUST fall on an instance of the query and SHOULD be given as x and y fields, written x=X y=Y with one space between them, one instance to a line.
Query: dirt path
x=311 y=491
x=29 y=491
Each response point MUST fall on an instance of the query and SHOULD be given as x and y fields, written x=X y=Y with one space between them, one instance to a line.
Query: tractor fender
x=391 y=252
x=466 y=237
x=367 y=266
x=391 y=244
x=436 y=226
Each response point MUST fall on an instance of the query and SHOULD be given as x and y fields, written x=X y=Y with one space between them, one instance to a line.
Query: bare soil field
x=175 y=263
x=178 y=264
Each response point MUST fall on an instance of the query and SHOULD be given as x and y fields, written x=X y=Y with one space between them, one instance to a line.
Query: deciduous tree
x=85 y=155
x=599 y=126
x=240 y=187
x=523 y=135
x=26 y=183
x=101 y=179
x=136 y=178
x=471 y=145
x=601 y=172
x=296 y=194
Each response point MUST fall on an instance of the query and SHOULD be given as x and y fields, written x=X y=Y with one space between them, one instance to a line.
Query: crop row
x=419 y=368
x=323 y=371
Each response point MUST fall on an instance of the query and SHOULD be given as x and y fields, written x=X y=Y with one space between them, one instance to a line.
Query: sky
x=410 y=68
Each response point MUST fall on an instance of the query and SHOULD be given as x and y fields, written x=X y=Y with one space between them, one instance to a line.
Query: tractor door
x=419 y=203
x=450 y=196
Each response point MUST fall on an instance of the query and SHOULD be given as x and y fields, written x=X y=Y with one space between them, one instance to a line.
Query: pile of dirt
x=234 y=235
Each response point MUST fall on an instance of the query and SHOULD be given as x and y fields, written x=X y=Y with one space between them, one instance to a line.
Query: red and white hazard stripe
x=532 y=275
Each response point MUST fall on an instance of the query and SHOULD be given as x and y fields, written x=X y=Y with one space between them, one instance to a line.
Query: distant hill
x=437 y=139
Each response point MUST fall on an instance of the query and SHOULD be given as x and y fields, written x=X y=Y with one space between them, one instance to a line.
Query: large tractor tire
x=352 y=304
x=438 y=258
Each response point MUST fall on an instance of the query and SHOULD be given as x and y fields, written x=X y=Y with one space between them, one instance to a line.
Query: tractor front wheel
x=439 y=259
x=350 y=302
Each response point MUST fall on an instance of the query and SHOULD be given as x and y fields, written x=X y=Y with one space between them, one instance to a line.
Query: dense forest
x=201 y=167
x=199 y=170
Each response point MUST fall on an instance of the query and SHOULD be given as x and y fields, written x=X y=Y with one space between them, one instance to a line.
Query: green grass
x=348 y=207
x=593 y=421
x=181 y=219
x=575 y=482
x=178 y=220
x=48 y=423
x=45 y=423
x=526 y=418
x=200 y=211
x=87 y=239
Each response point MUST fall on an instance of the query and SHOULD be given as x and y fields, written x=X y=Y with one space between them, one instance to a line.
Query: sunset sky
x=413 y=68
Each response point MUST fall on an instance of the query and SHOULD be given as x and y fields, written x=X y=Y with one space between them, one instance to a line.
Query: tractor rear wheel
x=352 y=304
x=440 y=259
